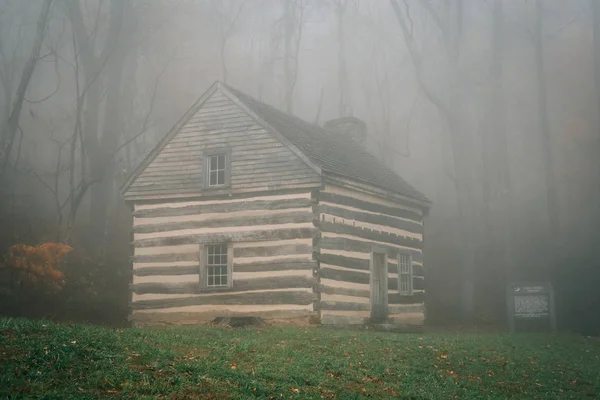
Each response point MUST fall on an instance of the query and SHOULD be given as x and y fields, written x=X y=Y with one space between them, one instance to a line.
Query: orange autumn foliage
x=36 y=267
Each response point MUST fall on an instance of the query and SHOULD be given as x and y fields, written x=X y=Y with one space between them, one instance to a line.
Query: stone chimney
x=351 y=127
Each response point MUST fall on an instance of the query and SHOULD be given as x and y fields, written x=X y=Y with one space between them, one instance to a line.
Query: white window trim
x=410 y=290
x=203 y=255
x=209 y=170
x=222 y=151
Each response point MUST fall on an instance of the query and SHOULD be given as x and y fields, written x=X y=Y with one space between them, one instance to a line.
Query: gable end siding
x=259 y=161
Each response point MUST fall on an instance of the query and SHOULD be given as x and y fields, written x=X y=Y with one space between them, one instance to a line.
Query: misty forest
x=489 y=107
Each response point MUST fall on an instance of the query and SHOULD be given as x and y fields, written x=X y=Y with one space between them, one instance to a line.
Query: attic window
x=217 y=167
x=216 y=170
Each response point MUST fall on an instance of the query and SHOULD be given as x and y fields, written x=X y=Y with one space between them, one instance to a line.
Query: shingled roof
x=331 y=151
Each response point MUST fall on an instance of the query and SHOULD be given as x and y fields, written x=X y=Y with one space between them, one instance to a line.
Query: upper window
x=405 y=274
x=216 y=169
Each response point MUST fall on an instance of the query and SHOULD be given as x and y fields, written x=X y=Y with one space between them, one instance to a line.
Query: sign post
x=530 y=302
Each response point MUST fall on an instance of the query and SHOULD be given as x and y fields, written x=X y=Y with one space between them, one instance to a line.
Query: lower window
x=217 y=266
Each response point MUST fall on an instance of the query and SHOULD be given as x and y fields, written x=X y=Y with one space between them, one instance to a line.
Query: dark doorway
x=379 y=286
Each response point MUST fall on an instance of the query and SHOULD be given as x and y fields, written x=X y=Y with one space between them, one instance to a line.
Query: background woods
x=489 y=107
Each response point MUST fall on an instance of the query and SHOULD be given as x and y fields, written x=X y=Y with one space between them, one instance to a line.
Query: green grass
x=40 y=359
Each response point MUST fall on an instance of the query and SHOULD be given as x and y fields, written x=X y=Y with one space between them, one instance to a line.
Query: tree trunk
x=596 y=178
x=287 y=57
x=99 y=139
x=10 y=127
x=546 y=135
x=103 y=167
x=342 y=81
x=497 y=195
x=448 y=103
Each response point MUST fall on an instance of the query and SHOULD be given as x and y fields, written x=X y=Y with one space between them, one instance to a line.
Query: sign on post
x=531 y=302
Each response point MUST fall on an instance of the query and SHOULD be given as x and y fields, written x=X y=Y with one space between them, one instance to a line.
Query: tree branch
x=416 y=60
x=145 y=126
x=55 y=89
x=9 y=129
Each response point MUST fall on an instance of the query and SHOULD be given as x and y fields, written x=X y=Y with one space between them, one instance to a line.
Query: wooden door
x=379 y=298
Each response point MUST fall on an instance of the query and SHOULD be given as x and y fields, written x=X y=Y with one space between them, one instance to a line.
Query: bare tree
x=11 y=125
x=381 y=112
x=545 y=133
x=227 y=13
x=448 y=103
x=97 y=140
x=293 y=20
x=497 y=194
x=340 y=11
x=596 y=49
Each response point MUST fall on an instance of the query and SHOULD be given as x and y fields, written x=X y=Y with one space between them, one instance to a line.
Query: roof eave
x=293 y=148
x=368 y=187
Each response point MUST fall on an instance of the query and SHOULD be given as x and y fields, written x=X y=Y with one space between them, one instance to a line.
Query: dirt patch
x=291 y=321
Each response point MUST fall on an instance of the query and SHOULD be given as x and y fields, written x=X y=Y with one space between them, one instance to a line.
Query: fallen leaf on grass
x=294 y=390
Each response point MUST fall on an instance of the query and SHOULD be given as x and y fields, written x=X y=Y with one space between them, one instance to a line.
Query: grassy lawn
x=39 y=359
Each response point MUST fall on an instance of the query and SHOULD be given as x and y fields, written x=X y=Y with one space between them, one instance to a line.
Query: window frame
x=203 y=273
x=224 y=151
x=410 y=274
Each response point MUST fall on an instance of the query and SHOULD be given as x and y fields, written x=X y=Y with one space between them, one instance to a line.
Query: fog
x=490 y=108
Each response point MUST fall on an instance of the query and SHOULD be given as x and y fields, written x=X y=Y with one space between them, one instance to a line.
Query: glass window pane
x=216 y=266
x=214 y=162
x=212 y=180
x=221 y=177
x=221 y=162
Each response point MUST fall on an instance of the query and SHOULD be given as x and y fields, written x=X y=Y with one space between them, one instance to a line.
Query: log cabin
x=243 y=210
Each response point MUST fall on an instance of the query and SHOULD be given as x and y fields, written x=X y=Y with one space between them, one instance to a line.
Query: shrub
x=34 y=270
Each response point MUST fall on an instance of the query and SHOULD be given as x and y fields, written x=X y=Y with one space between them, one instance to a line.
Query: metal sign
x=528 y=301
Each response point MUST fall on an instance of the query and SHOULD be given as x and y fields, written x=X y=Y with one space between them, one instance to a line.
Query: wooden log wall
x=273 y=266
x=350 y=223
